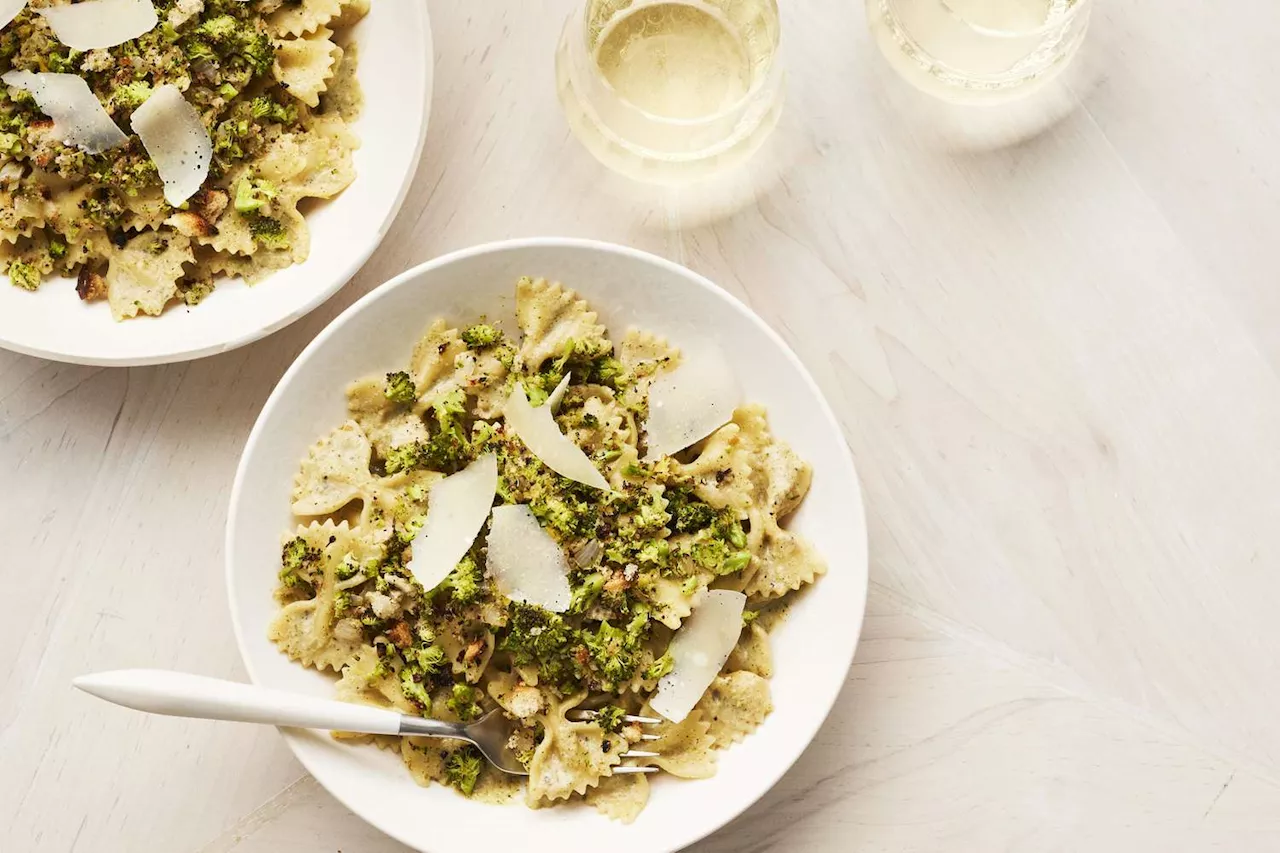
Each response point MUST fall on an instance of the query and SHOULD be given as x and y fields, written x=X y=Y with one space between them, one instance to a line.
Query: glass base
x=937 y=78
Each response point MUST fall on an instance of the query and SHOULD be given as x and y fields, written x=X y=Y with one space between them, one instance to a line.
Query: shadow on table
x=992 y=127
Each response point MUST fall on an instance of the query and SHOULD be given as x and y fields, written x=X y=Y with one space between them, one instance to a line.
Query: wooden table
x=1056 y=360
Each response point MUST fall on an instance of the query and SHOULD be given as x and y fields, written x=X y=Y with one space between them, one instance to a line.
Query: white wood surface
x=1057 y=361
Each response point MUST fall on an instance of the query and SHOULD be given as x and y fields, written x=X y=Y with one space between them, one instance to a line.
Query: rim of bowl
x=844 y=461
x=349 y=271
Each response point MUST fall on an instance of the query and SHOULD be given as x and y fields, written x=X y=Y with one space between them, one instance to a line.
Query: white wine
x=1009 y=16
x=674 y=60
x=978 y=50
x=673 y=90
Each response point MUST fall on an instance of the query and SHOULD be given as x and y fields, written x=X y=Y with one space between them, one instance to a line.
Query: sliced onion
x=457 y=507
x=587 y=553
x=698 y=651
x=100 y=23
x=538 y=430
x=171 y=131
x=689 y=403
x=78 y=116
x=9 y=10
x=526 y=563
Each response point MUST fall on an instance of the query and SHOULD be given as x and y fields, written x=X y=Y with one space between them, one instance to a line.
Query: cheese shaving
x=698 y=651
x=457 y=507
x=525 y=562
x=539 y=431
x=689 y=403
x=9 y=10
x=100 y=23
x=78 y=116
x=171 y=131
x=554 y=398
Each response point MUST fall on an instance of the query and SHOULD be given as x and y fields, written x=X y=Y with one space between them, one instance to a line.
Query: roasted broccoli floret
x=717 y=556
x=269 y=108
x=258 y=52
x=448 y=448
x=465 y=583
x=735 y=562
x=270 y=233
x=253 y=193
x=609 y=718
x=607 y=371
x=689 y=515
x=613 y=652
x=481 y=335
x=536 y=636
x=195 y=292
x=24 y=275
x=655 y=553
x=536 y=393
x=430 y=659
x=463 y=767
x=400 y=388
x=650 y=516
x=297 y=561
x=730 y=530
x=414 y=687
x=406 y=457
x=63 y=63
x=585 y=593
x=450 y=408
x=568 y=515
x=238 y=42
x=464 y=703
x=130 y=96
x=219 y=29
x=659 y=668
x=348 y=568
x=442 y=452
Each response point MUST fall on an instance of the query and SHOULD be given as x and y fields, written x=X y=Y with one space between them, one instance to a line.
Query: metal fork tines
x=587 y=716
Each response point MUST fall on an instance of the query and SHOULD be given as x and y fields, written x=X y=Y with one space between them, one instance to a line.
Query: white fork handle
x=179 y=694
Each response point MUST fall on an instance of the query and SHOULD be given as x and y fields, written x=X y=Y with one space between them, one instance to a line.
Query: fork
x=179 y=694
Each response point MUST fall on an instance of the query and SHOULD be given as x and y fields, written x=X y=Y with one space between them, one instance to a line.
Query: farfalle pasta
x=639 y=558
x=273 y=84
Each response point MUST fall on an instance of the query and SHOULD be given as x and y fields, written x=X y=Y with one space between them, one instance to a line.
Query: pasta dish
x=557 y=525
x=149 y=148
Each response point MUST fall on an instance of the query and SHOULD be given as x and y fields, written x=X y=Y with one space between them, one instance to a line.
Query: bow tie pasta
x=640 y=557
x=269 y=91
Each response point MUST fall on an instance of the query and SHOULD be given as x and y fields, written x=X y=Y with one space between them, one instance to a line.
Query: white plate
x=395 y=71
x=812 y=651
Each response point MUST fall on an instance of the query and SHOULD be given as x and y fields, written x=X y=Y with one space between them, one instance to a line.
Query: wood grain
x=1055 y=355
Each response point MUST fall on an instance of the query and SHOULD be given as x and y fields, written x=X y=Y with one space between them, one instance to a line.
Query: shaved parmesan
x=526 y=563
x=689 y=403
x=554 y=398
x=698 y=651
x=538 y=429
x=100 y=23
x=171 y=131
x=9 y=10
x=457 y=507
x=78 y=116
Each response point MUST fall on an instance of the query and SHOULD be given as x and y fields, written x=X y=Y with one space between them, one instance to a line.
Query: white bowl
x=395 y=71
x=813 y=649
